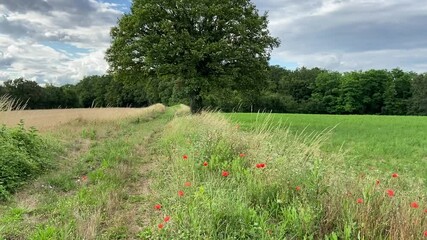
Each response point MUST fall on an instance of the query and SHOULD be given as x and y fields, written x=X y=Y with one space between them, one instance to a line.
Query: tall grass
x=8 y=103
x=217 y=182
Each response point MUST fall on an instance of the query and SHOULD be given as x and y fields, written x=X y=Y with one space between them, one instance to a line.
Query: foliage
x=192 y=46
x=23 y=155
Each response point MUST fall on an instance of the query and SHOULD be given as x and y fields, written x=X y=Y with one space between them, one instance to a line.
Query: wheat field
x=48 y=119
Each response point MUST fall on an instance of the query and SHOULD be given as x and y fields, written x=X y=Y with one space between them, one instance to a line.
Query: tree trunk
x=196 y=102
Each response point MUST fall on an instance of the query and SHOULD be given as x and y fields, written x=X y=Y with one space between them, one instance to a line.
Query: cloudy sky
x=61 y=41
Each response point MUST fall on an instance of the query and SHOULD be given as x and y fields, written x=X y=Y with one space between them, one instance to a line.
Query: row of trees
x=92 y=91
x=302 y=90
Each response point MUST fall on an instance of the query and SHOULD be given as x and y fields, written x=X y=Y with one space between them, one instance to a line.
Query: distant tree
x=25 y=91
x=192 y=46
x=326 y=93
x=418 y=101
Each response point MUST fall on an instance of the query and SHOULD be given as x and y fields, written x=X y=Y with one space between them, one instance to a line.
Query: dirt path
x=101 y=189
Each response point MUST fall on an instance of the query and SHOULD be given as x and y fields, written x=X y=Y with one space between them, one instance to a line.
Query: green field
x=386 y=143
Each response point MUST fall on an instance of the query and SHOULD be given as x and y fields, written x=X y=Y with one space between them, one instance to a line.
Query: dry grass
x=47 y=119
x=7 y=103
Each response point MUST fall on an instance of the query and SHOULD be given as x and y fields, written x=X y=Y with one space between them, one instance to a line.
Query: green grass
x=384 y=143
x=95 y=190
x=115 y=173
x=302 y=193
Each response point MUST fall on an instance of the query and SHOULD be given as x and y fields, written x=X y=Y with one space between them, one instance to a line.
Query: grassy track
x=385 y=143
x=100 y=188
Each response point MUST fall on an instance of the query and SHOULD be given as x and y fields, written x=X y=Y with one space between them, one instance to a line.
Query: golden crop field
x=47 y=119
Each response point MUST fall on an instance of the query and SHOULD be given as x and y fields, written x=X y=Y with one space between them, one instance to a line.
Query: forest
x=303 y=90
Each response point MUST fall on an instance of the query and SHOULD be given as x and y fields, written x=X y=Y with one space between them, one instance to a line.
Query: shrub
x=23 y=155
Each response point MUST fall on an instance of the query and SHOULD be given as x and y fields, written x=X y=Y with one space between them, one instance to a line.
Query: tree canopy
x=192 y=47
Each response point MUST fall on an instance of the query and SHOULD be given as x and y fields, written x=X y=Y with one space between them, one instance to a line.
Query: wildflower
x=359 y=200
x=242 y=155
x=395 y=175
x=158 y=206
x=260 y=165
x=205 y=164
x=425 y=234
x=187 y=184
x=298 y=188
x=84 y=178
x=377 y=182
x=390 y=193
x=180 y=193
x=160 y=226
x=225 y=173
x=414 y=205
x=185 y=157
x=425 y=210
x=167 y=218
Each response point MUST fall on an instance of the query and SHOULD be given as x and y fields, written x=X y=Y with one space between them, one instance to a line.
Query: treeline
x=302 y=90
x=316 y=90
x=92 y=91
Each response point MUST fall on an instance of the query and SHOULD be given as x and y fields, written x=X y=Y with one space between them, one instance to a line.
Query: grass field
x=49 y=119
x=384 y=143
x=164 y=174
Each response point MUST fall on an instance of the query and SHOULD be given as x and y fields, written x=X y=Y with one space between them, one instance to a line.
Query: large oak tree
x=197 y=45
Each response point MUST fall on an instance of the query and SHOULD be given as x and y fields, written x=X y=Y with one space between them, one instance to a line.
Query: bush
x=23 y=156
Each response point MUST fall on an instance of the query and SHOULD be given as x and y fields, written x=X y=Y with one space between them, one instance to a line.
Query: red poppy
x=205 y=164
x=395 y=175
x=414 y=205
x=298 y=188
x=185 y=157
x=390 y=193
x=187 y=184
x=377 y=182
x=84 y=178
x=242 y=155
x=260 y=165
x=180 y=193
x=167 y=218
x=158 y=206
x=359 y=200
x=160 y=226
x=425 y=234
x=225 y=173
x=425 y=210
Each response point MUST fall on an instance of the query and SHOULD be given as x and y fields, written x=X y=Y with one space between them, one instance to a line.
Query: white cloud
x=59 y=42
x=350 y=34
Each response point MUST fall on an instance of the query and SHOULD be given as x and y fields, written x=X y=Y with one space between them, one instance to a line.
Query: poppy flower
x=185 y=157
x=395 y=175
x=390 y=193
x=359 y=200
x=425 y=234
x=414 y=205
x=425 y=210
x=84 y=178
x=158 y=206
x=180 y=193
x=377 y=182
x=298 y=188
x=167 y=218
x=225 y=173
x=187 y=184
x=205 y=164
x=242 y=155
x=160 y=226
x=260 y=165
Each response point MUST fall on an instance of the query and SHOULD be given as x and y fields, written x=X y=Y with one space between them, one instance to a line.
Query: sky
x=61 y=41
